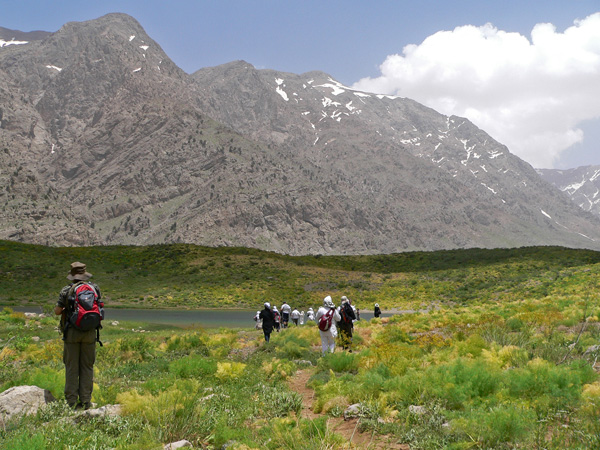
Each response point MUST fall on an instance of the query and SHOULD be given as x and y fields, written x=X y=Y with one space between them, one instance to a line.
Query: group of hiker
x=282 y=319
x=81 y=309
x=328 y=318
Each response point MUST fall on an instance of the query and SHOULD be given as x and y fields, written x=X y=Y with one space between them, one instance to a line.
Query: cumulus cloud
x=528 y=93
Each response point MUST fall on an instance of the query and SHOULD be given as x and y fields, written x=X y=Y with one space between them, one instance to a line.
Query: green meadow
x=501 y=351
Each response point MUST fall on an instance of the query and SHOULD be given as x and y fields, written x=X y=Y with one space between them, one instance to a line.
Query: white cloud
x=529 y=94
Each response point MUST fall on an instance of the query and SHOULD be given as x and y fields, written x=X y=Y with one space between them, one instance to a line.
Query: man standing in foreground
x=79 y=352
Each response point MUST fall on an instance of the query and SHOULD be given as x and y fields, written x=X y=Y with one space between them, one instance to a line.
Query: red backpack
x=86 y=312
x=325 y=320
x=347 y=313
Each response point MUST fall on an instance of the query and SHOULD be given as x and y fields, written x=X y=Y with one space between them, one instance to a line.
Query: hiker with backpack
x=82 y=310
x=268 y=321
x=346 y=323
x=258 y=321
x=277 y=319
x=326 y=318
x=285 y=314
x=295 y=316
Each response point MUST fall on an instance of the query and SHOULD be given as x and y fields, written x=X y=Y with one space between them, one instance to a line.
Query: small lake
x=208 y=318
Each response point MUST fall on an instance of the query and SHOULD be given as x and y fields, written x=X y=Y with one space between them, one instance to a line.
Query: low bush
x=339 y=362
x=193 y=366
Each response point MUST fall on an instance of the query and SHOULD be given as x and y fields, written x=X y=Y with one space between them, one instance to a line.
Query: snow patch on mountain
x=574 y=187
x=4 y=43
x=279 y=89
x=336 y=89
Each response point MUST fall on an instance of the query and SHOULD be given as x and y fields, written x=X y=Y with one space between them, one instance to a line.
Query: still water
x=209 y=318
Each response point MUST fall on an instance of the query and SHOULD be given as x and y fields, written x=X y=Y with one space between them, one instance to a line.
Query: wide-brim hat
x=78 y=272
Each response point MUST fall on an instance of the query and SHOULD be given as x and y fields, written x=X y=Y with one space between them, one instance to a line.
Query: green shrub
x=315 y=428
x=515 y=324
x=139 y=348
x=461 y=381
x=193 y=366
x=43 y=377
x=25 y=440
x=279 y=403
x=190 y=341
x=500 y=425
x=561 y=384
x=375 y=381
x=472 y=346
x=395 y=334
x=339 y=362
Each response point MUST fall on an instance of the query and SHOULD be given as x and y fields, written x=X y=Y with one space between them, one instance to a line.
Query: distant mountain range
x=104 y=140
x=581 y=184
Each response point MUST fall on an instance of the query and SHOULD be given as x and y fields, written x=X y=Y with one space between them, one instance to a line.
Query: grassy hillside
x=508 y=357
x=190 y=276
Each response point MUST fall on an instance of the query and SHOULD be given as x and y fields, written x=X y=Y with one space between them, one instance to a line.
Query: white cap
x=328 y=302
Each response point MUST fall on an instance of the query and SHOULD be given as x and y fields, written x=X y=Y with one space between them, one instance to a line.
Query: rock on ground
x=103 y=411
x=178 y=444
x=21 y=400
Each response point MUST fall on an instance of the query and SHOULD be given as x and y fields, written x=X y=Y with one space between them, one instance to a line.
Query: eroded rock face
x=21 y=400
x=104 y=140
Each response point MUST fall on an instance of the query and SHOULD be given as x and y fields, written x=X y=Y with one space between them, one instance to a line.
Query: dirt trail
x=346 y=428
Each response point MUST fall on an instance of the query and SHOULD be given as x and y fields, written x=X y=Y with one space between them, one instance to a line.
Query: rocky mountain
x=104 y=140
x=16 y=37
x=581 y=184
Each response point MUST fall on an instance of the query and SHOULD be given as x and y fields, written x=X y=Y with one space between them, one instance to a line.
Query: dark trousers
x=267 y=335
x=79 y=355
x=346 y=335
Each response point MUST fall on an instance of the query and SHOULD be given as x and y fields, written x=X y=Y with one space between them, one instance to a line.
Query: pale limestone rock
x=21 y=400
x=178 y=444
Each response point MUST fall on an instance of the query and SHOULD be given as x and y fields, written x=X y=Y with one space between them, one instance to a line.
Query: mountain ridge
x=106 y=141
x=582 y=184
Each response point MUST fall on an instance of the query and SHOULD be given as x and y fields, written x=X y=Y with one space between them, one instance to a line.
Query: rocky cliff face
x=103 y=140
x=581 y=184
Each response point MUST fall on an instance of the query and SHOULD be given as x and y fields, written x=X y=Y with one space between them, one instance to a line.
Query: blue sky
x=362 y=43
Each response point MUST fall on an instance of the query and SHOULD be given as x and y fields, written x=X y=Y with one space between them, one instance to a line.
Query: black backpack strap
x=68 y=309
x=71 y=296
x=98 y=336
x=65 y=328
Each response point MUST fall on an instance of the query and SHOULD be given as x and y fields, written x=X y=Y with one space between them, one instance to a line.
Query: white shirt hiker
x=328 y=337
